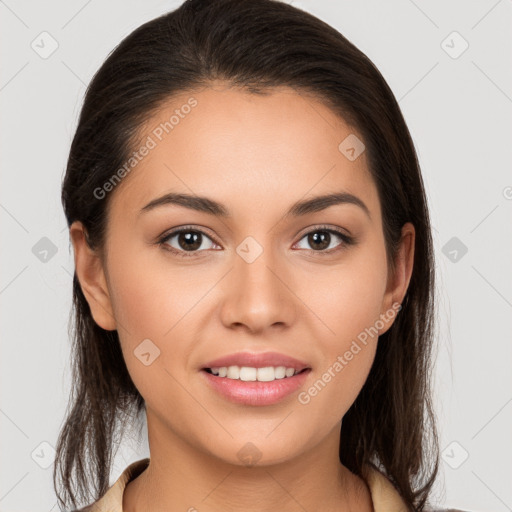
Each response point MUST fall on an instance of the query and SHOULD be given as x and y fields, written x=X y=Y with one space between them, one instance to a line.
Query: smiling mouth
x=249 y=387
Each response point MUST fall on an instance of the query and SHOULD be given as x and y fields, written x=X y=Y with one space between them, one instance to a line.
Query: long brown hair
x=256 y=44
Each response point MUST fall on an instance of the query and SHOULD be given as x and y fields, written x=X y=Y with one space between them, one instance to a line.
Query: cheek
x=146 y=306
x=347 y=352
x=347 y=298
x=347 y=301
x=154 y=300
x=137 y=303
x=150 y=295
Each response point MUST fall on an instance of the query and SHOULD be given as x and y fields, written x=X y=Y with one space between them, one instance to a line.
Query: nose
x=258 y=295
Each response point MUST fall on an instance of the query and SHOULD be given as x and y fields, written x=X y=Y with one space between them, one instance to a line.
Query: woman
x=254 y=272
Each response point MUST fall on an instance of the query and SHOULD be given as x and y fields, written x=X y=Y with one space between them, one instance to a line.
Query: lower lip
x=255 y=392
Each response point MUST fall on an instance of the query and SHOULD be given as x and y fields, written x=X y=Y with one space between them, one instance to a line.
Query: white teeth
x=247 y=373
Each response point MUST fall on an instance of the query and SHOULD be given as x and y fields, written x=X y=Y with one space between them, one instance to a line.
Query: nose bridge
x=253 y=264
x=257 y=295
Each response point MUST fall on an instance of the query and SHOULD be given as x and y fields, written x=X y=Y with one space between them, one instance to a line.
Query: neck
x=182 y=477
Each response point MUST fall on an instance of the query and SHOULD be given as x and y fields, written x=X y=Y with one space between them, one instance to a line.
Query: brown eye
x=186 y=240
x=190 y=241
x=324 y=240
x=319 y=239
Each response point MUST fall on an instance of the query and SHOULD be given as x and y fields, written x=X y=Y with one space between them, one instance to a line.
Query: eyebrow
x=300 y=208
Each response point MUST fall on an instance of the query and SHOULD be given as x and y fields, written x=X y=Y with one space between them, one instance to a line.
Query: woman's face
x=258 y=279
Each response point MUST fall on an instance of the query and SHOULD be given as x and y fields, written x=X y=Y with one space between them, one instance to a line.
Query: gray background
x=458 y=107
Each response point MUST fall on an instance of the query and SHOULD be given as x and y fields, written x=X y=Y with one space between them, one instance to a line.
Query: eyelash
x=347 y=240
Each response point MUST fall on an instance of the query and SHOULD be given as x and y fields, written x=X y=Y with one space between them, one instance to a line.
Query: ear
x=91 y=275
x=399 y=282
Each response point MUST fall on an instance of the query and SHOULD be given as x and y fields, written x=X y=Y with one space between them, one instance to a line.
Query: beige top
x=384 y=495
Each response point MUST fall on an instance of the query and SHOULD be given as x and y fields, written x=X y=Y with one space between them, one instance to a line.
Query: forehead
x=245 y=150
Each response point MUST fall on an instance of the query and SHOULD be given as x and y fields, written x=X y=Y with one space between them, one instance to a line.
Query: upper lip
x=257 y=360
